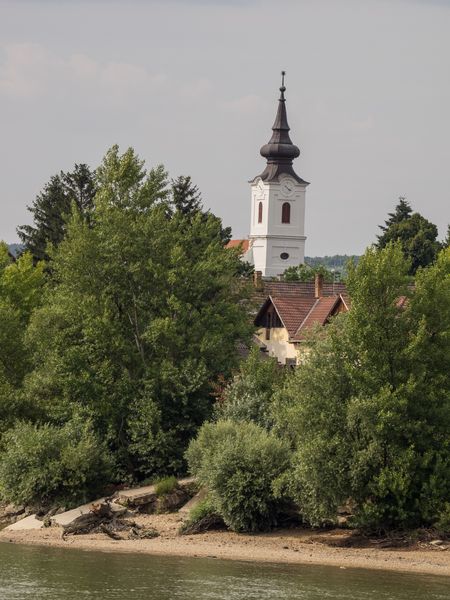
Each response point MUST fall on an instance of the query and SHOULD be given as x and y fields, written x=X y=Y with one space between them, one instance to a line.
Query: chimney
x=257 y=279
x=318 y=285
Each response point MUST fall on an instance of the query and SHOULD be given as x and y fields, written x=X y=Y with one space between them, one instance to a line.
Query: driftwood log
x=104 y=518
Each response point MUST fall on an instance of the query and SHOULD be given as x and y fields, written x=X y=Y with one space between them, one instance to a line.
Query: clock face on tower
x=287 y=187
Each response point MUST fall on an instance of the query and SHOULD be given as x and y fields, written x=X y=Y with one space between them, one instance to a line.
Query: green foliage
x=186 y=196
x=337 y=262
x=166 y=486
x=239 y=464
x=245 y=269
x=49 y=464
x=248 y=397
x=53 y=206
x=142 y=318
x=443 y=522
x=203 y=509
x=21 y=290
x=307 y=273
x=369 y=413
x=5 y=258
x=21 y=285
x=418 y=237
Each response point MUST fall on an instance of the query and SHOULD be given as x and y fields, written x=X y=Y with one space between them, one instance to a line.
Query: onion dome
x=280 y=151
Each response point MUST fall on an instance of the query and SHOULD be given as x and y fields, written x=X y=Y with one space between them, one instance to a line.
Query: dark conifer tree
x=186 y=196
x=53 y=206
x=417 y=235
x=187 y=199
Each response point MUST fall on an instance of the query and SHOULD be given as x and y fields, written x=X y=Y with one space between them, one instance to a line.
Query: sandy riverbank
x=294 y=546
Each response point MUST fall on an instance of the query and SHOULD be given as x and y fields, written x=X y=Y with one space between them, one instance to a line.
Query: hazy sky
x=193 y=84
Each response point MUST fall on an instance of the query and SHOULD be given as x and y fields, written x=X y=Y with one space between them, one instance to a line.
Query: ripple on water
x=59 y=574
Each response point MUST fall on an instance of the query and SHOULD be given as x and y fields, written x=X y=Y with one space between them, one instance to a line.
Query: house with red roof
x=290 y=311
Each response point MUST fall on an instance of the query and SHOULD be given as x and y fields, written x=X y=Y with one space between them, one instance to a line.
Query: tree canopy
x=417 y=235
x=141 y=316
x=53 y=206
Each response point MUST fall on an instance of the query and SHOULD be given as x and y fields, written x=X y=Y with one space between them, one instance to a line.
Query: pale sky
x=193 y=84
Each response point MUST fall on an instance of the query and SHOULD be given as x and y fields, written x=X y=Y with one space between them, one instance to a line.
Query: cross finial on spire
x=282 y=88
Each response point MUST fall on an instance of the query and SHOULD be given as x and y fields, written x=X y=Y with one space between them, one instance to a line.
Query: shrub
x=203 y=509
x=239 y=464
x=166 y=486
x=49 y=464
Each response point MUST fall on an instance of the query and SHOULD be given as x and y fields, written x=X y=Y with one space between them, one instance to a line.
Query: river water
x=34 y=573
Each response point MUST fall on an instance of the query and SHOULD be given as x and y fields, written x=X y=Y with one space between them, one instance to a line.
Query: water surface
x=28 y=572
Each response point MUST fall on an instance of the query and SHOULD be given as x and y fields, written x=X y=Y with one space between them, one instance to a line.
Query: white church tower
x=277 y=227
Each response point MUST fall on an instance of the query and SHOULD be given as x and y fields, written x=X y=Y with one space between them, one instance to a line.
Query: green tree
x=248 y=397
x=53 y=206
x=305 y=272
x=417 y=236
x=43 y=465
x=185 y=196
x=143 y=318
x=21 y=290
x=239 y=463
x=5 y=258
x=368 y=414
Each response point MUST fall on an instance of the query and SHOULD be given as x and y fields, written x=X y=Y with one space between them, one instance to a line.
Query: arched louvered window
x=286 y=213
x=260 y=210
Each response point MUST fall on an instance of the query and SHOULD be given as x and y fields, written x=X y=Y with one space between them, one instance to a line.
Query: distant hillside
x=336 y=262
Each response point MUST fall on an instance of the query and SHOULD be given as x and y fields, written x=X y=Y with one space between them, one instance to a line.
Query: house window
x=260 y=210
x=286 y=213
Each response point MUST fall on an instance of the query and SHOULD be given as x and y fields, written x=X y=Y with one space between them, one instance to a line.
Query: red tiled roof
x=284 y=289
x=319 y=313
x=235 y=243
x=293 y=311
x=299 y=312
x=281 y=288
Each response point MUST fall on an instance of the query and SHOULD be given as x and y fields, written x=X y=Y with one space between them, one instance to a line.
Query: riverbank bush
x=48 y=464
x=239 y=464
x=202 y=518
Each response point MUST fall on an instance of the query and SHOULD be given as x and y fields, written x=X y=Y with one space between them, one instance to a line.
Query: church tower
x=278 y=203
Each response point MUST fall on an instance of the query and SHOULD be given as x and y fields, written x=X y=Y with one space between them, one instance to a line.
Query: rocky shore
x=337 y=547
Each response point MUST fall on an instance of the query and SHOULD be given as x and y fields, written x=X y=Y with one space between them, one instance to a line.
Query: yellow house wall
x=279 y=345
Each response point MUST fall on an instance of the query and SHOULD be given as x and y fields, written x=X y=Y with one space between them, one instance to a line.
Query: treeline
x=337 y=262
x=118 y=333
x=114 y=327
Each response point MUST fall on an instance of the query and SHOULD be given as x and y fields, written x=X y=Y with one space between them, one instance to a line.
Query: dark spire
x=280 y=151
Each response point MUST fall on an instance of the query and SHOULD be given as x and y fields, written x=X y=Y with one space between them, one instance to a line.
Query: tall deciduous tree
x=144 y=317
x=53 y=206
x=417 y=235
